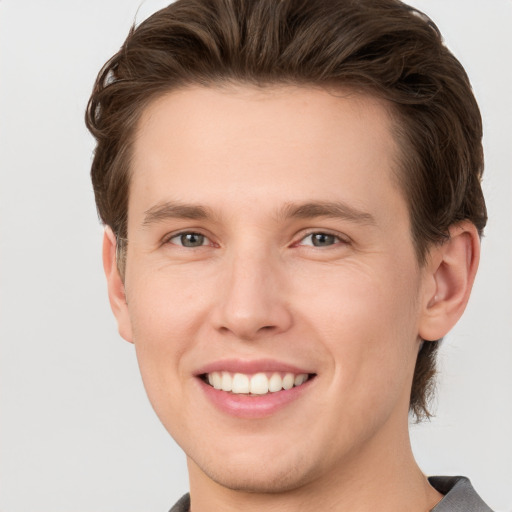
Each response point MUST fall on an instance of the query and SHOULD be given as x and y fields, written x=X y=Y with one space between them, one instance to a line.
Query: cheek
x=166 y=315
x=366 y=318
x=164 y=303
x=358 y=298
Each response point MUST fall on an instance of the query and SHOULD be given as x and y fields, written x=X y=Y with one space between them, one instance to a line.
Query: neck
x=383 y=476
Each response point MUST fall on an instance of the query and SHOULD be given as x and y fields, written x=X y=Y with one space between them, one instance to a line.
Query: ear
x=451 y=271
x=116 y=292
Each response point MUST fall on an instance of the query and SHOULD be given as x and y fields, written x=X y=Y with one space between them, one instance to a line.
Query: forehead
x=228 y=145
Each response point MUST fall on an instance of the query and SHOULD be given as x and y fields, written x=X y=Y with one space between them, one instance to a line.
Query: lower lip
x=253 y=406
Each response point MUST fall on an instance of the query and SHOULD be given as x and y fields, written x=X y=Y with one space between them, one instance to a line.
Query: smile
x=256 y=384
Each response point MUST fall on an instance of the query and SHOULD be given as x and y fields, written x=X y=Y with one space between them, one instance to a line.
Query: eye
x=189 y=239
x=320 y=239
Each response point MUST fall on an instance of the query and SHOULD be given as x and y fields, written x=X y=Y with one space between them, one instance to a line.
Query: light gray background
x=77 y=433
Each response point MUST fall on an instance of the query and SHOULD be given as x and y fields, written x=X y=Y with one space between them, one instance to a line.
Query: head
x=379 y=52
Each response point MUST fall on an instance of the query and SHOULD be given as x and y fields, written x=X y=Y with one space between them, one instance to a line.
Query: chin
x=272 y=482
x=256 y=476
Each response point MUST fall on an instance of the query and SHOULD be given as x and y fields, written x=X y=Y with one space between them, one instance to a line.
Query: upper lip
x=250 y=366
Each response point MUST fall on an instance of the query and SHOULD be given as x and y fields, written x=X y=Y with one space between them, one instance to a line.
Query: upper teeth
x=257 y=384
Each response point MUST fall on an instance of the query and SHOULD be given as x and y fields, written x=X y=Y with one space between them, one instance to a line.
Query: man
x=291 y=194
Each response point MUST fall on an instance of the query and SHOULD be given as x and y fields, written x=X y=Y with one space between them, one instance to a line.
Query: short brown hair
x=381 y=47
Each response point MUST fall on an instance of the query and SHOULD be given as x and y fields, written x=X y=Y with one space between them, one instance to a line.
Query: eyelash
x=335 y=238
x=168 y=239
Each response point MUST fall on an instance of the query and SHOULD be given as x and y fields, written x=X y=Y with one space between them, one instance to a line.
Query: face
x=272 y=290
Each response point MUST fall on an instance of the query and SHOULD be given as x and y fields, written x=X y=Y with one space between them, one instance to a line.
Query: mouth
x=254 y=389
x=257 y=384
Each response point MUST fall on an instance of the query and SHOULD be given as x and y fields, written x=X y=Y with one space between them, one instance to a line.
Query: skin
x=351 y=311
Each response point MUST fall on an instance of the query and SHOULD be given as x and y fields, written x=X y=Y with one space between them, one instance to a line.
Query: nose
x=252 y=298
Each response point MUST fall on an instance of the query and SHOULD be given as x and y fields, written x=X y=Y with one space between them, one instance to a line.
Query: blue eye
x=189 y=240
x=320 y=240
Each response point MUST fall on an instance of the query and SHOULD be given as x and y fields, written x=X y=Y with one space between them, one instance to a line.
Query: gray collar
x=459 y=495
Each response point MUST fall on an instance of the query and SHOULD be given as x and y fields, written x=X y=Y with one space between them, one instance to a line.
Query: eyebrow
x=335 y=210
x=173 y=210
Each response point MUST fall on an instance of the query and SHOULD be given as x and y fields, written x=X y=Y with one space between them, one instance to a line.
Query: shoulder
x=183 y=505
x=459 y=495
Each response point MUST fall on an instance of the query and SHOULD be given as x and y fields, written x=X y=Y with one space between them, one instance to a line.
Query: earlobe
x=451 y=272
x=116 y=290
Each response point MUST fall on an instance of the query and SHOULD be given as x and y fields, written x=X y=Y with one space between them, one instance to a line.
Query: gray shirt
x=459 y=496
